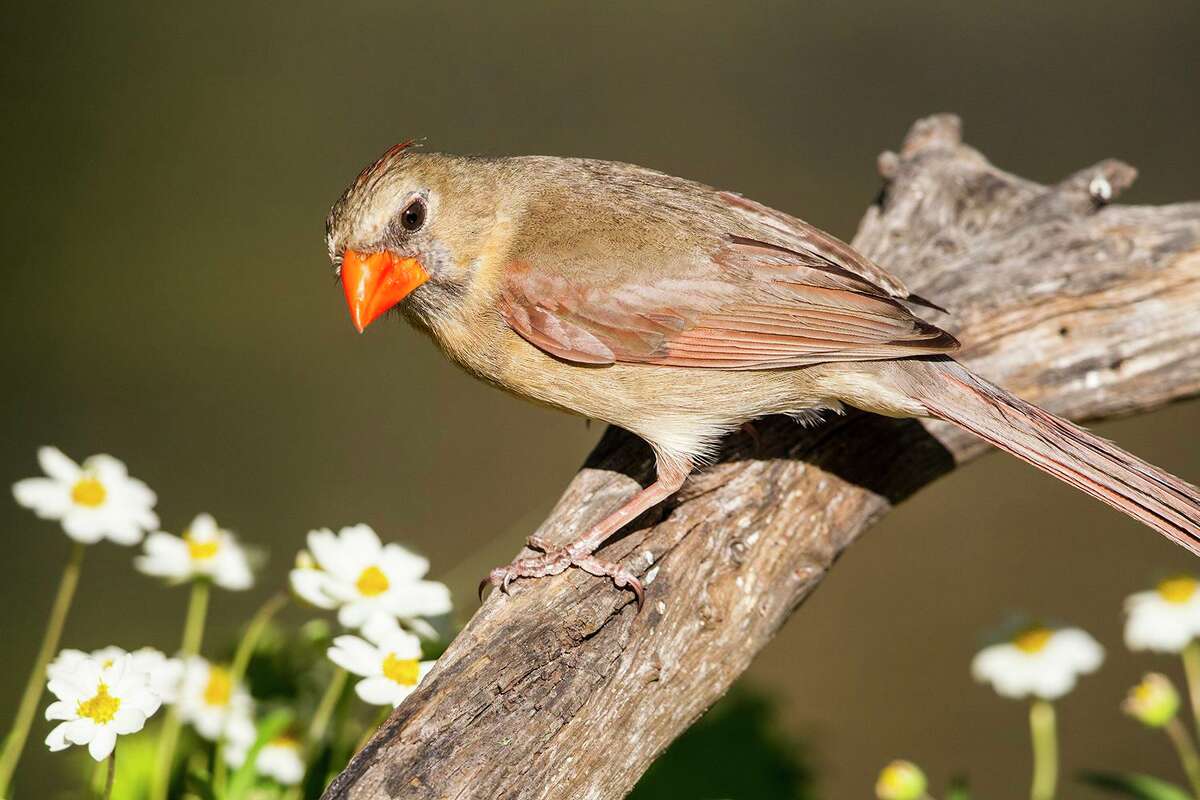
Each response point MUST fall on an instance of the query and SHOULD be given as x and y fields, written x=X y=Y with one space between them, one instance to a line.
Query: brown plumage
x=678 y=312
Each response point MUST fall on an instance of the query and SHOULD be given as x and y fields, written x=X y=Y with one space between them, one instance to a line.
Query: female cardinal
x=677 y=312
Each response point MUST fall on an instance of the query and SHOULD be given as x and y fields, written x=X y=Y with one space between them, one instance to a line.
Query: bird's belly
x=681 y=412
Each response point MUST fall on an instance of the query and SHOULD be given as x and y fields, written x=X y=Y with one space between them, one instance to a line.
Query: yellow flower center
x=286 y=741
x=1178 y=589
x=101 y=708
x=219 y=688
x=200 y=550
x=1033 y=640
x=372 y=582
x=404 y=671
x=88 y=492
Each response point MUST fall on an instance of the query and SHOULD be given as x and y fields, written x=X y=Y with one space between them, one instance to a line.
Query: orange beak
x=374 y=282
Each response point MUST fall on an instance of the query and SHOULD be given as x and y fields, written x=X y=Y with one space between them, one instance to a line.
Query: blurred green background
x=167 y=174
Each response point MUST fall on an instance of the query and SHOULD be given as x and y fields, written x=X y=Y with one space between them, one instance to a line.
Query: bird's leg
x=581 y=552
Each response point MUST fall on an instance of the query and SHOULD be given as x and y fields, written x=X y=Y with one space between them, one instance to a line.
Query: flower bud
x=1153 y=702
x=901 y=780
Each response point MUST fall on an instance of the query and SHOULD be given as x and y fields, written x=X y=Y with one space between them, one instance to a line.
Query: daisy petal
x=380 y=691
x=125 y=532
x=420 y=599
x=362 y=540
x=128 y=720
x=57 y=739
x=356 y=614
x=110 y=470
x=83 y=525
x=102 y=743
x=80 y=730
x=404 y=563
x=327 y=551
x=46 y=498
x=61 y=710
x=309 y=585
x=204 y=527
x=55 y=464
x=355 y=655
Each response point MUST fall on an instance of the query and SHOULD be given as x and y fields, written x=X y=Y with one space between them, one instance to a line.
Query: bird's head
x=410 y=228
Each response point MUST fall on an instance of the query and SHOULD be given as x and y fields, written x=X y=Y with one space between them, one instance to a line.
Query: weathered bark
x=561 y=690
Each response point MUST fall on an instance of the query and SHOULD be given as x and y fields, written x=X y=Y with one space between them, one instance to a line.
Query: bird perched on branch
x=678 y=312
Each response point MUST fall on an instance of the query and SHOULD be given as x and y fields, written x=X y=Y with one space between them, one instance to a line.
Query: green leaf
x=958 y=789
x=242 y=781
x=199 y=783
x=1131 y=784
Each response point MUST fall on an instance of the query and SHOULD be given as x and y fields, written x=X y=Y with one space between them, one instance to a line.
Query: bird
x=680 y=313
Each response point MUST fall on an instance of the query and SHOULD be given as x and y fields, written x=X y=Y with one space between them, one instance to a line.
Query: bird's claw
x=621 y=577
x=558 y=559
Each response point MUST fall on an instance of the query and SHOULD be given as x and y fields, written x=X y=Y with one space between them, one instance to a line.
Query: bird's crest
x=374 y=171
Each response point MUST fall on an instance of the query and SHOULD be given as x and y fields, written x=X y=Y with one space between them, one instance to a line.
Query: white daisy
x=205 y=550
x=94 y=501
x=364 y=580
x=282 y=760
x=164 y=673
x=96 y=703
x=210 y=702
x=389 y=661
x=1038 y=661
x=1166 y=618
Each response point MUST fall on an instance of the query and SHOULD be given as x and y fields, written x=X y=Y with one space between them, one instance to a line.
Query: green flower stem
x=112 y=773
x=254 y=631
x=193 y=635
x=99 y=772
x=1187 y=752
x=14 y=743
x=1045 y=750
x=1191 y=668
x=321 y=717
x=319 y=725
x=241 y=659
x=193 y=626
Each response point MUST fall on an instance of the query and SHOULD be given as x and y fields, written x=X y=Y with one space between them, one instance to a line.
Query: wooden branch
x=563 y=691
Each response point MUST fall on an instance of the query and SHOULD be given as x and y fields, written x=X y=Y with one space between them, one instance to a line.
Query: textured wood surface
x=561 y=690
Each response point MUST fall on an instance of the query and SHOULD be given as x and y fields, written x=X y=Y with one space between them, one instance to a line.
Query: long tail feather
x=1068 y=452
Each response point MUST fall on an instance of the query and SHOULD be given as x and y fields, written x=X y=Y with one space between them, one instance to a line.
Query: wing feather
x=751 y=305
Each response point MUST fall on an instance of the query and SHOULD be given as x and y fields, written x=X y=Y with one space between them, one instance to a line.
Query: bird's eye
x=413 y=215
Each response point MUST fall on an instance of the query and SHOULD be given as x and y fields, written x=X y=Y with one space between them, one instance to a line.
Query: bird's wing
x=749 y=305
x=819 y=246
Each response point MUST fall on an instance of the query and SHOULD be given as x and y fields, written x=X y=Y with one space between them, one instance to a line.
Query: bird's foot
x=557 y=559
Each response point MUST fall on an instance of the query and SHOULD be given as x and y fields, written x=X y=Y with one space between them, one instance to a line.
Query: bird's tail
x=951 y=392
